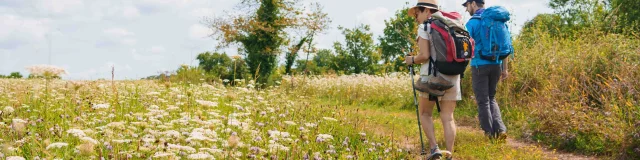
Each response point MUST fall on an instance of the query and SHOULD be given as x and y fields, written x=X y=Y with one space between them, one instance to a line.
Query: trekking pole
x=415 y=101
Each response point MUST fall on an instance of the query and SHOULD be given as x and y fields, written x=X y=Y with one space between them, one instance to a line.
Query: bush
x=581 y=93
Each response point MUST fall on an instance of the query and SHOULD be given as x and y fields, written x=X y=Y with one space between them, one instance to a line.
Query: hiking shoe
x=435 y=154
x=439 y=83
x=502 y=136
x=424 y=87
x=447 y=155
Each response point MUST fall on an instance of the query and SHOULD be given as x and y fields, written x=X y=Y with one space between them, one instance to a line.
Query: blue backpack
x=495 y=39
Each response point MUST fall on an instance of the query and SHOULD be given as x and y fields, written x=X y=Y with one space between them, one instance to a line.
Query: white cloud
x=375 y=18
x=116 y=67
x=118 y=32
x=198 y=31
x=65 y=7
x=154 y=58
x=202 y=12
x=129 y=41
x=153 y=6
x=130 y=12
x=157 y=49
x=17 y=30
x=114 y=36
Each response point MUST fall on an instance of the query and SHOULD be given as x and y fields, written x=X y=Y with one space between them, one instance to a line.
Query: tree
x=627 y=14
x=292 y=55
x=397 y=40
x=313 y=23
x=548 y=23
x=308 y=66
x=358 y=55
x=576 y=15
x=15 y=75
x=324 y=58
x=610 y=16
x=222 y=66
x=316 y=22
x=216 y=63
x=261 y=32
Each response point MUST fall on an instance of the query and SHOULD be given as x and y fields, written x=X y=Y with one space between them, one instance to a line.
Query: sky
x=140 y=38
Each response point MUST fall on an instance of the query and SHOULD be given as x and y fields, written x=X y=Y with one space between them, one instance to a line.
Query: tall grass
x=581 y=94
x=578 y=95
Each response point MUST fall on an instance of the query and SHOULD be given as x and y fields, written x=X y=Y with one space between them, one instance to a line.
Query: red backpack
x=453 y=45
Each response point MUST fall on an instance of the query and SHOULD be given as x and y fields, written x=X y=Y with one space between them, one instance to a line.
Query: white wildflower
x=154 y=107
x=172 y=108
x=290 y=123
x=207 y=103
x=329 y=119
x=163 y=154
x=46 y=70
x=8 y=110
x=100 y=106
x=116 y=125
x=15 y=158
x=233 y=122
x=148 y=138
x=76 y=132
x=278 y=134
x=200 y=156
x=153 y=93
x=323 y=137
x=274 y=147
x=89 y=140
x=56 y=145
x=310 y=125
x=19 y=125
x=119 y=141
x=182 y=148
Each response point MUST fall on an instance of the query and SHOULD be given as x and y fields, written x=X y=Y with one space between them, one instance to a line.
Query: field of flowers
x=59 y=119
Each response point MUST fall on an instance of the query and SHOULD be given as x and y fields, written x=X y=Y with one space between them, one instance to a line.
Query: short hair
x=480 y=5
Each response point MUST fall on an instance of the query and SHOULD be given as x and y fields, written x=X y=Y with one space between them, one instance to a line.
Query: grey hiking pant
x=485 y=80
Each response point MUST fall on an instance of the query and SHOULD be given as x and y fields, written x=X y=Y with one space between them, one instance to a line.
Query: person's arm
x=505 y=65
x=424 y=51
x=505 y=69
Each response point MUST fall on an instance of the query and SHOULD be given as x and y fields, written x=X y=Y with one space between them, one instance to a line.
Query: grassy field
x=148 y=119
x=573 y=95
x=145 y=119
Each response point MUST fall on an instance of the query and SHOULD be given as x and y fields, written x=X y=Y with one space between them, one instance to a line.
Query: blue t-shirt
x=472 y=26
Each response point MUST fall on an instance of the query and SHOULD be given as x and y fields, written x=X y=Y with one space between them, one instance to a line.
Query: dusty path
x=552 y=154
x=411 y=142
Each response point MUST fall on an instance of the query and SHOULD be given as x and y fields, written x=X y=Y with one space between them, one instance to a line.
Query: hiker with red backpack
x=493 y=45
x=445 y=49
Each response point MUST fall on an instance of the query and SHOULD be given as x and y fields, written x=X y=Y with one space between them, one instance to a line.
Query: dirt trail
x=412 y=144
x=552 y=154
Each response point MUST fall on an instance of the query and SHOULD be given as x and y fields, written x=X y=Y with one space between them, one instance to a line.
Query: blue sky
x=143 y=37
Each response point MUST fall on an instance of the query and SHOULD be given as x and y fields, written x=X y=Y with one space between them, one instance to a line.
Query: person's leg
x=496 y=116
x=426 y=112
x=448 y=123
x=480 y=82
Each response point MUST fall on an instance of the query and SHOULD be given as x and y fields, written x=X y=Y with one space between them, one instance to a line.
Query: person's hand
x=504 y=75
x=408 y=60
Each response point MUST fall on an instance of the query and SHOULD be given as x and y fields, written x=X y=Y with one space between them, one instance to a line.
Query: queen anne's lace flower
x=46 y=70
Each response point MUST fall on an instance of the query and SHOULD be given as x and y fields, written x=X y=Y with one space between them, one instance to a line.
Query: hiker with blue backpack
x=493 y=45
